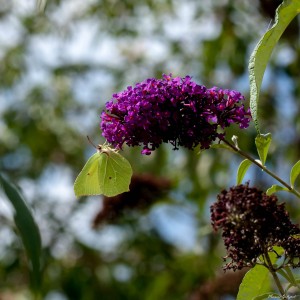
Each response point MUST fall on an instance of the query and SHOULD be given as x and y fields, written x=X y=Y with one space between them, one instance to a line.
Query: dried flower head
x=145 y=190
x=252 y=223
x=174 y=110
x=292 y=251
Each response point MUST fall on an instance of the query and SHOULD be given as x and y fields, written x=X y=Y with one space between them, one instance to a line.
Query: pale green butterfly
x=106 y=172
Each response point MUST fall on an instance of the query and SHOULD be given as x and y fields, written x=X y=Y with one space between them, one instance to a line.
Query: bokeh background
x=60 y=61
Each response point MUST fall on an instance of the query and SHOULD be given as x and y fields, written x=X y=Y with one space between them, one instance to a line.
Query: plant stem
x=274 y=274
x=264 y=168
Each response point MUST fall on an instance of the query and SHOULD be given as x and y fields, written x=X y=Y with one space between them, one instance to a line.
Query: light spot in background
x=285 y=56
x=6 y=209
x=105 y=239
x=122 y=272
x=21 y=157
x=176 y=224
x=55 y=295
x=57 y=184
x=186 y=27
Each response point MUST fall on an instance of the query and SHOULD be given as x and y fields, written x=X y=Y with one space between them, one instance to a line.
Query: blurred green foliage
x=59 y=65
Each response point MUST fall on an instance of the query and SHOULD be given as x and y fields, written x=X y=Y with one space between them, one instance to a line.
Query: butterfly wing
x=114 y=173
x=87 y=182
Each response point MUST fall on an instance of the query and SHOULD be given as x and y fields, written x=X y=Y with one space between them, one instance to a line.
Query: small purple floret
x=174 y=110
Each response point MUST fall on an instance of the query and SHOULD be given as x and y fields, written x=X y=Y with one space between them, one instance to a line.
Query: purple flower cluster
x=252 y=223
x=175 y=110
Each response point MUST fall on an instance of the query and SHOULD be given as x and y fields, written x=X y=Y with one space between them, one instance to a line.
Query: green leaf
x=294 y=173
x=242 y=169
x=255 y=283
x=290 y=274
x=106 y=172
x=28 y=229
x=263 y=50
x=262 y=142
x=285 y=275
x=276 y=188
x=274 y=256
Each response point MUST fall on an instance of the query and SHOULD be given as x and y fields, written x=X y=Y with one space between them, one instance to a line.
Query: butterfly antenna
x=91 y=142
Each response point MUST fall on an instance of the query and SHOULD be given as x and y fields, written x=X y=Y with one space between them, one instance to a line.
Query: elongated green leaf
x=294 y=173
x=276 y=188
x=262 y=142
x=291 y=277
x=255 y=283
x=28 y=229
x=286 y=276
x=242 y=169
x=263 y=50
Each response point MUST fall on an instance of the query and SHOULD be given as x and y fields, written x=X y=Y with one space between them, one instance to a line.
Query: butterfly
x=106 y=172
